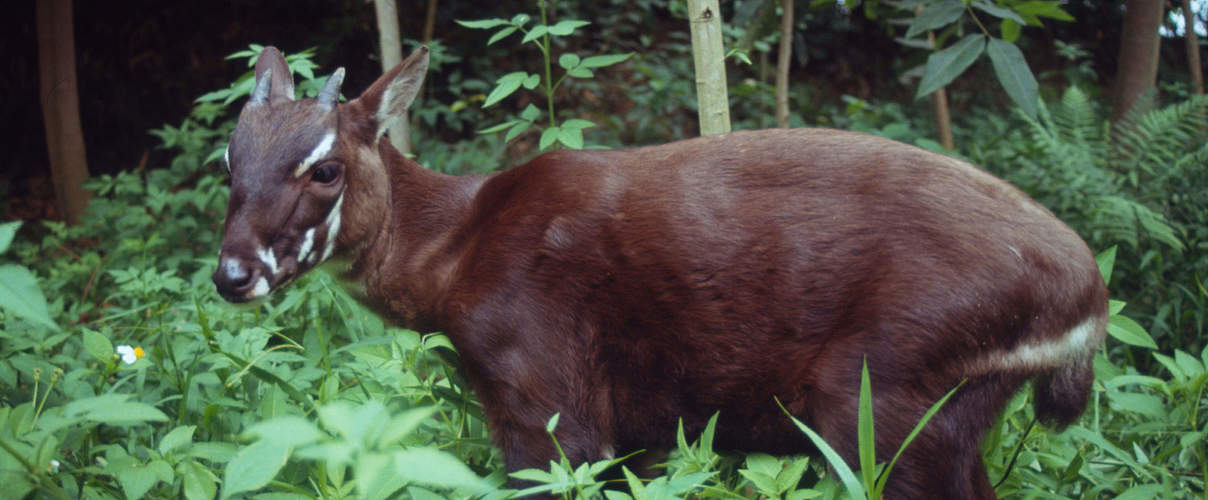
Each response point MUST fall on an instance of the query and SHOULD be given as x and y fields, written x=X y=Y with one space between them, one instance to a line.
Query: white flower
x=54 y=466
x=129 y=354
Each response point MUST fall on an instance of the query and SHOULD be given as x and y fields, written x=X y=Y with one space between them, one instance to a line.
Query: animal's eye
x=326 y=173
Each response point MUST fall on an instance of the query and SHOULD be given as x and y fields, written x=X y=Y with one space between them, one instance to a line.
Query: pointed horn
x=260 y=93
x=331 y=91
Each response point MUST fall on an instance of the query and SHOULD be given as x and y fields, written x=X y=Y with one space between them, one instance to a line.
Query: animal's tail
x=1060 y=393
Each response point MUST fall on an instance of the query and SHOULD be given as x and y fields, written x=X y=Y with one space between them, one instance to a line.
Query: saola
x=628 y=289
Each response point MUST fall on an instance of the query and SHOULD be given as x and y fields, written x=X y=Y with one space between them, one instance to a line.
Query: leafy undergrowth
x=132 y=379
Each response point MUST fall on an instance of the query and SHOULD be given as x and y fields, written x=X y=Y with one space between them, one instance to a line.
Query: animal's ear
x=388 y=98
x=279 y=84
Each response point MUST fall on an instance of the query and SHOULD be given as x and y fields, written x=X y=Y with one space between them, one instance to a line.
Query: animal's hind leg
x=944 y=460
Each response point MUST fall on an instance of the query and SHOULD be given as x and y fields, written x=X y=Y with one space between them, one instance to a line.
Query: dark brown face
x=287 y=191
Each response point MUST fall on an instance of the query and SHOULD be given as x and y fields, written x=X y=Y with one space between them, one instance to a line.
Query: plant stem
x=978 y=21
x=549 y=84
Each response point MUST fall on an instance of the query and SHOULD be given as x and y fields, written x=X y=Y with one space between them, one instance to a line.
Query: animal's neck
x=406 y=264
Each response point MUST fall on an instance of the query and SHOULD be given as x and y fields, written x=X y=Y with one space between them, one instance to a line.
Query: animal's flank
x=629 y=289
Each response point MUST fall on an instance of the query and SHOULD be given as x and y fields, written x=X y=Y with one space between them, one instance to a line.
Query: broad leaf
x=605 y=60
x=481 y=24
x=7 y=231
x=945 y=65
x=20 y=295
x=997 y=11
x=253 y=467
x=504 y=87
x=567 y=27
x=1014 y=75
x=936 y=15
x=432 y=467
x=1126 y=330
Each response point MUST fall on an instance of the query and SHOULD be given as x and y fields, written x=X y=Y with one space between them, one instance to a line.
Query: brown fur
x=627 y=289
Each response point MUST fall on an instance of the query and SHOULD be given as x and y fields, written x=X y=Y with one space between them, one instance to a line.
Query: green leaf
x=580 y=72
x=945 y=65
x=98 y=346
x=548 y=137
x=571 y=137
x=1014 y=75
x=936 y=15
x=199 y=482
x=1115 y=306
x=180 y=436
x=136 y=479
x=532 y=81
x=577 y=124
x=505 y=86
x=538 y=31
x=253 y=467
x=1126 y=330
x=375 y=477
x=495 y=128
x=113 y=409
x=605 y=60
x=516 y=130
x=552 y=423
x=20 y=295
x=567 y=27
x=1010 y=30
x=1106 y=260
x=501 y=34
x=1048 y=8
x=568 y=60
x=432 y=467
x=865 y=432
x=481 y=24
x=292 y=431
x=7 y=231
x=530 y=113
x=997 y=11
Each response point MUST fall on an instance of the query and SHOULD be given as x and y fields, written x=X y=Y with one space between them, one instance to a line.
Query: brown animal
x=627 y=289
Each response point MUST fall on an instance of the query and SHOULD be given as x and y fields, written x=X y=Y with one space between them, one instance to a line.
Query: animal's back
x=717 y=273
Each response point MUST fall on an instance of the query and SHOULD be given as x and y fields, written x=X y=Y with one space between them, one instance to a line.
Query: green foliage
x=1140 y=185
x=945 y=18
x=569 y=133
x=131 y=379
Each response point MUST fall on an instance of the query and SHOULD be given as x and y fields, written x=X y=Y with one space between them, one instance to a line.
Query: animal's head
x=307 y=180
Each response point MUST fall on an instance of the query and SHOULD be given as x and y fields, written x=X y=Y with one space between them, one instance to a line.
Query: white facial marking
x=231 y=267
x=1074 y=344
x=308 y=242
x=226 y=158
x=333 y=228
x=321 y=149
x=269 y=259
x=260 y=290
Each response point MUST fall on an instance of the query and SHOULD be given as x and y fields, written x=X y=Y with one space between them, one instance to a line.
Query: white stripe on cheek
x=261 y=289
x=333 y=228
x=226 y=157
x=269 y=259
x=308 y=242
x=321 y=150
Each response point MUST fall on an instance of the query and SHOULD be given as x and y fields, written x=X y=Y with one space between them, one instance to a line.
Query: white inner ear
x=398 y=96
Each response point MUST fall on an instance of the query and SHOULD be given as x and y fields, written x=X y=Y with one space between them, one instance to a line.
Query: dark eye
x=326 y=173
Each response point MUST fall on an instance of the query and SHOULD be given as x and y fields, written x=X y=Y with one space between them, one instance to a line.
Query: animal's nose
x=235 y=279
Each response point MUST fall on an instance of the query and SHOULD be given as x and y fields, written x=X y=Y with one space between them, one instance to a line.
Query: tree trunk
x=392 y=54
x=61 y=107
x=1137 y=68
x=782 y=63
x=1193 y=49
x=713 y=104
x=430 y=21
x=943 y=120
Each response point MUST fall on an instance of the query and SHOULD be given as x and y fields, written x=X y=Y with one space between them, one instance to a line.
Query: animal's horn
x=331 y=91
x=260 y=93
